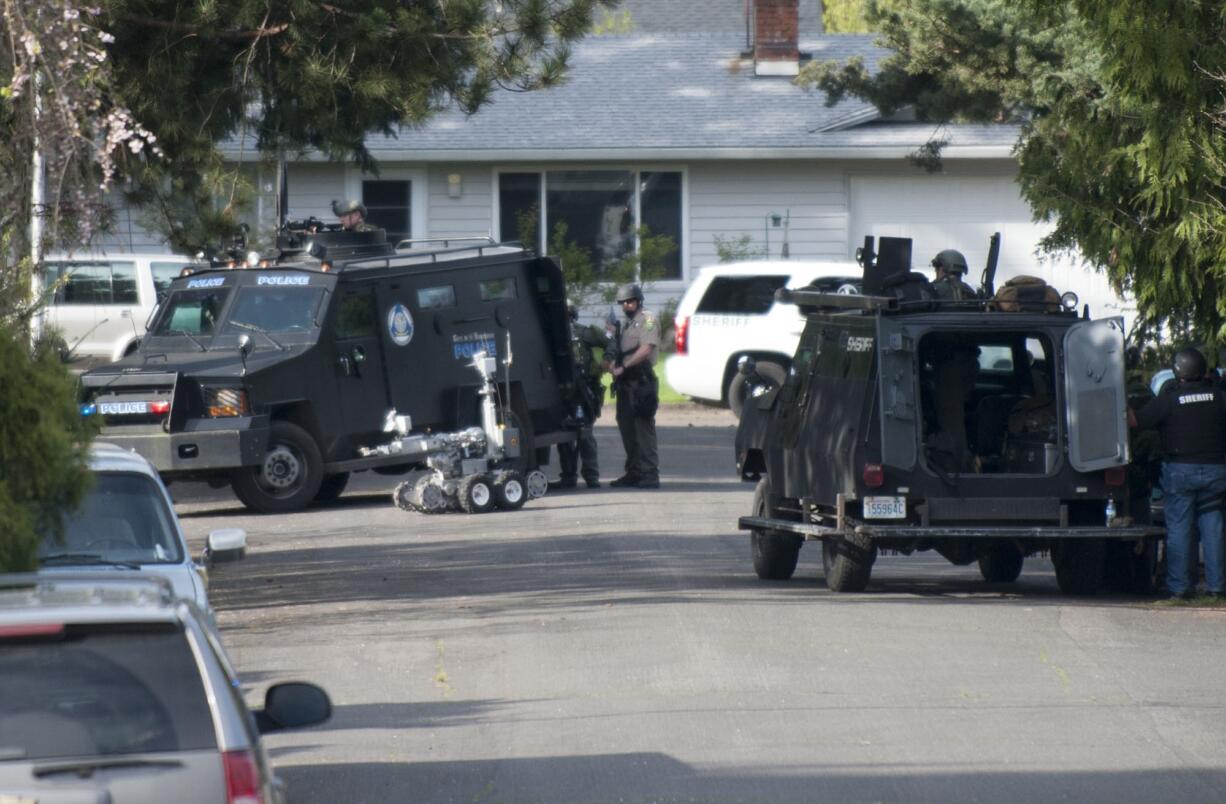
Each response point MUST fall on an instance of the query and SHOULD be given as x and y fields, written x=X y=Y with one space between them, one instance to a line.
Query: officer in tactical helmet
x=637 y=389
x=951 y=266
x=1190 y=416
x=352 y=214
x=588 y=344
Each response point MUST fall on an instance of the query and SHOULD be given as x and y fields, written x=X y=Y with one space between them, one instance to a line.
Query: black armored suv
x=987 y=429
x=277 y=377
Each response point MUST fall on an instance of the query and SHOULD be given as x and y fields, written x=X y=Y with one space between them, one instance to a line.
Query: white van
x=101 y=302
x=730 y=311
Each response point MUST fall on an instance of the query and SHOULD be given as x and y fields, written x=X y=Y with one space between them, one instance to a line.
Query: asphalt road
x=615 y=646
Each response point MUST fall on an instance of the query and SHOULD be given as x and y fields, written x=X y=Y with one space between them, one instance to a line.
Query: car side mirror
x=746 y=366
x=293 y=705
x=225 y=544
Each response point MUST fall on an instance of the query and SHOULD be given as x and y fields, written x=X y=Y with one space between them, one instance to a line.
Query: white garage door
x=940 y=212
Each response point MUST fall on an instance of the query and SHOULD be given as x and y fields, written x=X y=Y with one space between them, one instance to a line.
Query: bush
x=44 y=442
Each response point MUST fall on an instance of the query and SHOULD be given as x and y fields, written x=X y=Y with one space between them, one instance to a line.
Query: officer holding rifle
x=638 y=392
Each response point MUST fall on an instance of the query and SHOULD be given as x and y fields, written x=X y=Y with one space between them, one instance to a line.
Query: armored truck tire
x=1001 y=563
x=848 y=562
x=774 y=554
x=1079 y=565
x=738 y=389
x=288 y=478
x=476 y=494
x=510 y=490
x=332 y=487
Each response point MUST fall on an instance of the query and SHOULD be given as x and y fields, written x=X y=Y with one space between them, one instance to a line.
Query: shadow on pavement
x=657 y=777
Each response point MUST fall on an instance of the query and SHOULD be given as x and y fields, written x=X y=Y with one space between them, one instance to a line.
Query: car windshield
x=194 y=312
x=101 y=690
x=123 y=519
x=274 y=309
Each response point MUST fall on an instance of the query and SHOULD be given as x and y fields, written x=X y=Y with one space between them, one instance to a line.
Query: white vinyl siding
x=468 y=215
x=732 y=199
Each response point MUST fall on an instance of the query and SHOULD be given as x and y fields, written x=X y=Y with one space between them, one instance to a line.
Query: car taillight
x=874 y=475
x=1114 y=476
x=681 y=334
x=222 y=402
x=242 y=777
x=159 y=408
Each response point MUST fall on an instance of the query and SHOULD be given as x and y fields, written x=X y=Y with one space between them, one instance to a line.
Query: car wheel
x=288 y=477
x=848 y=562
x=510 y=491
x=476 y=494
x=1079 y=565
x=738 y=389
x=1001 y=563
x=775 y=554
x=332 y=487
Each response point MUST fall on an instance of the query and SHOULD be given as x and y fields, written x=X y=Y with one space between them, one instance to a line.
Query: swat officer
x=589 y=401
x=950 y=267
x=638 y=390
x=1190 y=416
x=352 y=214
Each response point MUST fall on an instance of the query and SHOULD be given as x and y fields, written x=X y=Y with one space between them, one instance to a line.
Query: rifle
x=613 y=350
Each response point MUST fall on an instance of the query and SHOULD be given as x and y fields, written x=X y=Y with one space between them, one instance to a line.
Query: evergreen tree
x=1119 y=104
x=303 y=75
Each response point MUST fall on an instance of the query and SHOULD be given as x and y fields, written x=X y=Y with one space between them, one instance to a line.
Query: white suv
x=730 y=312
x=101 y=302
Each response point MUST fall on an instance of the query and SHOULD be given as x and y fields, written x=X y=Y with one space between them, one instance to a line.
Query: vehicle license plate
x=885 y=508
x=122 y=408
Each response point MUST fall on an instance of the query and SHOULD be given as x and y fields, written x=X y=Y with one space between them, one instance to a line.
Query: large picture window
x=601 y=211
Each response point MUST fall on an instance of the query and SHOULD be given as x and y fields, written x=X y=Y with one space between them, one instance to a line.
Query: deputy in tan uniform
x=637 y=389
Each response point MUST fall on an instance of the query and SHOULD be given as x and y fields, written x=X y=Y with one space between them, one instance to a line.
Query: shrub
x=43 y=448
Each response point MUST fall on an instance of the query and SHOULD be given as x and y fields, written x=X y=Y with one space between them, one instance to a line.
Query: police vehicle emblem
x=400 y=325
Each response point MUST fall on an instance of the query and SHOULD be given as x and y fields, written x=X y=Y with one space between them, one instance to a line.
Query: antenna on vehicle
x=987 y=282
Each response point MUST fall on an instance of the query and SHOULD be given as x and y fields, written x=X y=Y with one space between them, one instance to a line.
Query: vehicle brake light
x=159 y=408
x=874 y=475
x=681 y=334
x=242 y=777
x=33 y=629
x=1114 y=476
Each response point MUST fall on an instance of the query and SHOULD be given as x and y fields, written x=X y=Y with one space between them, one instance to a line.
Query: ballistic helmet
x=628 y=291
x=340 y=208
x=950 y=261
x=1189 y=364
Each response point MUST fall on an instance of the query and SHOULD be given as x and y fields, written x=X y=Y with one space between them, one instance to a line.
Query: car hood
x=213 y=363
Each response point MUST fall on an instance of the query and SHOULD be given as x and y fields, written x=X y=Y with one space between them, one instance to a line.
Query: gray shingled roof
x=712 y=16
x=687 y=95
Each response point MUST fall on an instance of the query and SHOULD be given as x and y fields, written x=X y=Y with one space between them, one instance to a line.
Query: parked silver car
x=127 y=522
x=117 y=691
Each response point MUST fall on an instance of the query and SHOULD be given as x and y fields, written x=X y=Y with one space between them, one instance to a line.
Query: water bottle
x=1110 y=511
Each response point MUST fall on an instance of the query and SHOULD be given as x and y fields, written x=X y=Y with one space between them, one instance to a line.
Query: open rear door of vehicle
x=1094 y=394
x=899 y=411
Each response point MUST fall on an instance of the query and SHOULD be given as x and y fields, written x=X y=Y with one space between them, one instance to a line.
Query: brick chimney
x=776 y=29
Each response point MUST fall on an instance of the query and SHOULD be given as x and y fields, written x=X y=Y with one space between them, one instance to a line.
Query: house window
x=388 y=206
x=600 y=211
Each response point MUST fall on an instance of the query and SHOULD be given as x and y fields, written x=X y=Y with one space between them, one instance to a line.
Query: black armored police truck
x=282 y=376
x=986 y=429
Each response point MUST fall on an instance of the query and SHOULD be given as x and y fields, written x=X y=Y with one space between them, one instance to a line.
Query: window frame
x=637 y=171
x=419 y=194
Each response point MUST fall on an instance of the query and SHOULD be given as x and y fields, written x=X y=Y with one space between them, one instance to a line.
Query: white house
x=691 y=125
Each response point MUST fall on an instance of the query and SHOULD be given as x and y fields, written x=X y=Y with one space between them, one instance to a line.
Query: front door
x=360 y=368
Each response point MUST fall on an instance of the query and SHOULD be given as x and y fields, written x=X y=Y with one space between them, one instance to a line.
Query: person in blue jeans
x=1190 y=416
